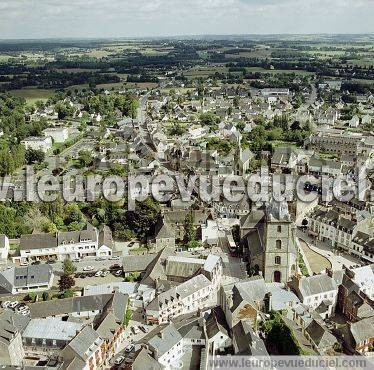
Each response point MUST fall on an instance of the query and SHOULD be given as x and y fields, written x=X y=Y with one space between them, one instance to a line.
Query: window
x=279 y=228
x=278 y=244
x=278 y=260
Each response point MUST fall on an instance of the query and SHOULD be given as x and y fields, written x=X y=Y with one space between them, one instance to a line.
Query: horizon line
x=183 y=36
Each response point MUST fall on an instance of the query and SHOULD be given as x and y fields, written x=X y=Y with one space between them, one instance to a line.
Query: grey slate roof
x=182 y=266
x=164 y=231
x=144 y=360
x=137 y=263
x=166 y=339
x=51 y=240
x=52 y=328
x=363 y=330
x=85 y=343
x=216 y=323
x=316 y=285
x=320 y=336
x=37 y=241
x=2 y=240
x=27 y=275
x=11 y=324
x=67 y=306
x=155 y=270
x=248 y=343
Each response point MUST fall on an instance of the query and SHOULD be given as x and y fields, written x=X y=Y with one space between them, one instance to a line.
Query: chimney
x=268 y=302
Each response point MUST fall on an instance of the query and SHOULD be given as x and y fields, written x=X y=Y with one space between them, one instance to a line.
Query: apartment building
x=187 y=297
x=58 y=246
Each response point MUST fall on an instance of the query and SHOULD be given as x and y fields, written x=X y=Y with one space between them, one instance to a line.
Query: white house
x=354 y=122
x=4 y=248
x=58 y=134
x=38 y=143
x=318 y=292
x=167 y=346
x=209 y=232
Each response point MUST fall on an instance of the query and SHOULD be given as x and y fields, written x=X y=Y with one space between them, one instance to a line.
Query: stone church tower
x=280 y=254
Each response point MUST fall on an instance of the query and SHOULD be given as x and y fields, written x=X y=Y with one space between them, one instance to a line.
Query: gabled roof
x=27 y=275
x=247 y=342
x=67 y=306
x=216 y=323
x=164 y=231
x=316 y=284
x=85 y=343
x=252 y=219
x=165 y=340
x=320 y=336
x=144 y=361
x=363 y=330
x=251 y=291
x=137 y=263
x=156 y=269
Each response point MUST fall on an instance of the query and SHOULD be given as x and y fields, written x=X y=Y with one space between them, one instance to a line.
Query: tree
x=127 y=318
x=68 y=267
x=45 y=296
x=189 y=229
x=68 y=293
x=85 y=158
x=66 y=282
x=34 y=156
x=209 y=119
x=63 y=110
x=143 y=220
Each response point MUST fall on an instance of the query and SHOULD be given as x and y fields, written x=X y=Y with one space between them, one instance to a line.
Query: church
x=268 y=242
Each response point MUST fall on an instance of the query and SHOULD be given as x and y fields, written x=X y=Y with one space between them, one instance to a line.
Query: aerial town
x=92 y=281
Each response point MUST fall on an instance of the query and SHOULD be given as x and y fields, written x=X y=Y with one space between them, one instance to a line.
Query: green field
x=33 y=95
x=279 y=71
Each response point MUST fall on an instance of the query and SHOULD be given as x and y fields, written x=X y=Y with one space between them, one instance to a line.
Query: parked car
x=135 y=330
x=129 y=348
x=98 y=273
x=13 y=304
x=76 y=260
x=51 y=262
x=144 y=329
x=88 y=268
x=114 y=267
x=118 y=273
x=100 y=259
x=6 y=304
x=21 y=308
x=23 y=264
x=105 y=273
x=114 y=258
x=119 y=360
